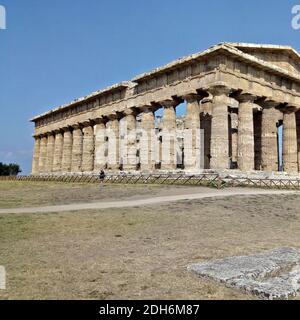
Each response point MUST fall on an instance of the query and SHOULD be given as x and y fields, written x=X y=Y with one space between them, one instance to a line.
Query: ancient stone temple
x=242 y=112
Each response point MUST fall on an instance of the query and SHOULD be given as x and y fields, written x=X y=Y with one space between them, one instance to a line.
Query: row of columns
x=245 y=133
x=83 y=147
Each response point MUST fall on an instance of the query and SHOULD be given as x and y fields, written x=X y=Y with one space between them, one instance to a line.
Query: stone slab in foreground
x=270 y=275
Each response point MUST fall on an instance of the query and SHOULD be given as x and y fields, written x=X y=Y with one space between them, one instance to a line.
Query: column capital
x=191 y=97
x=289 y=108
x=169 y=103
x=100 y=120
x=113 y=116
x=87 y=123
x=268 y=103
x=67 y=129
x=145 y=108
x=57 y=131
x=77 y=126
x=219 y=90
x=130 y=112
x=244 y=97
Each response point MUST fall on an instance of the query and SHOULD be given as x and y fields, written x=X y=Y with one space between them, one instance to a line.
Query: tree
x=11 y=169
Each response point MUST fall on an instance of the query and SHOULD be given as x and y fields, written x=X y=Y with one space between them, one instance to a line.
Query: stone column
x=113 y=148
x=36 y=156
x=130 y=147
x=269 y=140
x=50 y=153
x=219 y=128
x=234 y=135
x=290 y=145
x=58 y=151
x=67 y=150
x=100 y=145
x=298 y=137
x=43 y=154
x=169 y=156
x=246 y=155
x=192 y=130
x=88 y=148
x=76 y=164
x=147 y=157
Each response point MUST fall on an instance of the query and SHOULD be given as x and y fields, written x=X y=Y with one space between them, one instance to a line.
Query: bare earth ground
x=133 y=252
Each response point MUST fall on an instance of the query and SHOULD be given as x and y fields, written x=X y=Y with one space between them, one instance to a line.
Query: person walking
x=102 y=177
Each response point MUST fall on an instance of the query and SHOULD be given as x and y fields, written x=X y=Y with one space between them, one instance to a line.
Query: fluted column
x=67 y=150
x=246 y=154
x=36 y=155
x=269 y=140
x=88 y=148
x=43 y=154
x=113 y=148
x=58 y=151
x=76 y=164
x=129 y=147
x=169 y=156
x=50 y=153
x=147 y=157
x=290 y=145
x=219 y=128
x=191 y=133
x=100 y=145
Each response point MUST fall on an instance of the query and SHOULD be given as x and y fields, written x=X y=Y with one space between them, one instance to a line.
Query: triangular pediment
x=284 y=57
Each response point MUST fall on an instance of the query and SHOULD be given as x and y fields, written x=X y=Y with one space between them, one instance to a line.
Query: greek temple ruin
x=242 y=113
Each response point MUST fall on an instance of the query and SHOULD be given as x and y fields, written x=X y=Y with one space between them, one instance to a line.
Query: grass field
x=132 y=252
x=15 y=194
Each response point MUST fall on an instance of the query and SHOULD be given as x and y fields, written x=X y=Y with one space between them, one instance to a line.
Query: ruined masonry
x=238 y=94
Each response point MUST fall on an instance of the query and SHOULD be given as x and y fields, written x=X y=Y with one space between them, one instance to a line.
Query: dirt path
x=143 y=202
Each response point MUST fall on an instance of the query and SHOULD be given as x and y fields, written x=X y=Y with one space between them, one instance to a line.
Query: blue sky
x=54 y=51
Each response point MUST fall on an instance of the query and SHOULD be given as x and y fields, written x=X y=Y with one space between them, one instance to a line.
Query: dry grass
x=139 y=252
x=15 y=194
